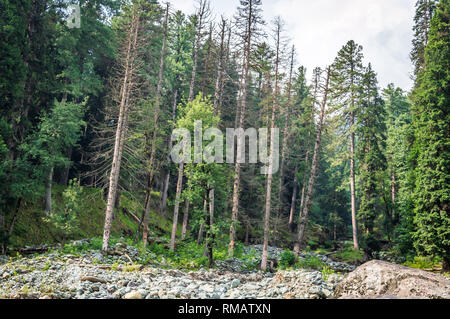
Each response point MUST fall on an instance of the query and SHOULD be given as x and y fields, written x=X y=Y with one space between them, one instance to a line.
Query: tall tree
x=370 y=150
x=345 y=84
x=312 y=177
x=431 y=149
x=422 y=20
x=278 y=30
x=128 y=69
x=248 y=22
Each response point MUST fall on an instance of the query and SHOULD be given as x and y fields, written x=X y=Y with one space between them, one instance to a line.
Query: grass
x=349 y=255
x=31 y=229
x=423 y=262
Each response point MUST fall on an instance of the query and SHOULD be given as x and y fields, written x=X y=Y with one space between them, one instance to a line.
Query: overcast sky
x=319 y=28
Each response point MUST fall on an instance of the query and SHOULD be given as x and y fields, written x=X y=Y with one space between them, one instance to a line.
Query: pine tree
x=431 y=120
x=371 y=137
x=422 y=20
x=345 y=84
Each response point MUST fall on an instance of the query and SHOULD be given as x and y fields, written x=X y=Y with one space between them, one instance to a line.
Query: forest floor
x=128 y=274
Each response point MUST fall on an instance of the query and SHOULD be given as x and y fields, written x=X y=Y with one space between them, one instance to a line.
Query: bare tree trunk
x=312 y=177
x=285 y=133
x=293 y=199
x=219 y=79
x=352 y=186
x=165 y=194
x=202 y=14
x=48 y=191
x=121 y=126
x=202 y=227
x=207 y=60
x=242 y=104
x=185 y=219
x=313 y=103
x=155 y=131
x=177 y=206
x=278 y=26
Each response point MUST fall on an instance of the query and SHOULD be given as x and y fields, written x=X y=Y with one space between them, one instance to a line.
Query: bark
x=165 y=194
x=202 y=13
x=293 y=199
x=121 y=127
x=177 y=206
x=312 y=177
x=242 y=108
x=207 y=60
x=446 y=264
x=352 y=186
x=155 y=131
x=65 y=174
x=313 y=103
x=270 y=175
x=48 y=191
x=285 y=134
x=185 y=219
x=219 y=79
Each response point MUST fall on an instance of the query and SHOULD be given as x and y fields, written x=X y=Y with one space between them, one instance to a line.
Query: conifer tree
x=431 y=149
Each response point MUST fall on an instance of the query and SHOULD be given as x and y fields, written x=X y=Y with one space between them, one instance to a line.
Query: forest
x=90 y=99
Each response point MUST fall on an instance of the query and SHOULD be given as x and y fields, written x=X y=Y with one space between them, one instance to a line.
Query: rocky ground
x=90 y=275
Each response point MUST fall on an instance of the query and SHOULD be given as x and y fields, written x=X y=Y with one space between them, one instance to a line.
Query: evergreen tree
x=345 y=84
x=370 y=150
x=431 y=120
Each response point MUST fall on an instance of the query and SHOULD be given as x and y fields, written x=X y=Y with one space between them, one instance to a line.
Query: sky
x=319 y=28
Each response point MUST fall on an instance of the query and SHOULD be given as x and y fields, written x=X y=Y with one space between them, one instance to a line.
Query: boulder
x=382 y=280
x=133 y=295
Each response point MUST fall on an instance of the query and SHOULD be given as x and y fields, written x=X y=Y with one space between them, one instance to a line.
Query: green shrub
x=310 y=262
x=287 y=259
x=422 y=262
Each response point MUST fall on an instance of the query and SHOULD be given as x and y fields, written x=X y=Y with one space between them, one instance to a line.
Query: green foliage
x=432 y=142
x=327 y=272
x=287 y=259
x=310 y=262
x=349 y=255
x=423 y=262
x=65 y=219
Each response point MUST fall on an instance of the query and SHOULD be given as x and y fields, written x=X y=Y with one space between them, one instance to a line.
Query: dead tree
x=278 y=42
x=152 y=146
x=128 y=66
x=312 y=176
x=248 y=20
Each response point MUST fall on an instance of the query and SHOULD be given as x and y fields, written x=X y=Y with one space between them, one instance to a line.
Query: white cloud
x=319 y=28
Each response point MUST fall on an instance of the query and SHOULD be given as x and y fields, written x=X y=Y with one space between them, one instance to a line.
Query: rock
x=378 y=279
x=235 y=283
x=133 y=295
x=92 y=279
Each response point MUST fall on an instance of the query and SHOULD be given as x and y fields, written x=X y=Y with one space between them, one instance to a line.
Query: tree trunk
x=155 y=131
x=312 y=177
x=446 y=264
x=352 y=188
x=185 y=219
x=201 y=14
x=278 y=27
x=285 y=135
x=242 y=108
x=121 y=127
x=165 y=194
x=177 y=206
x=293 y=199
x=48 y=191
